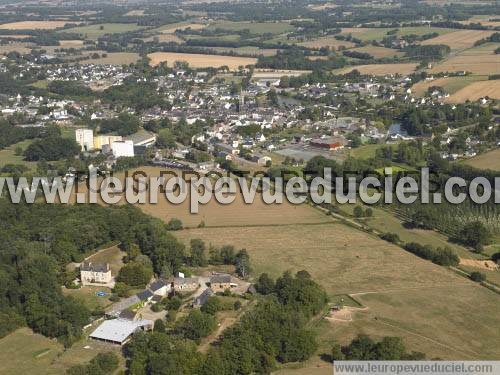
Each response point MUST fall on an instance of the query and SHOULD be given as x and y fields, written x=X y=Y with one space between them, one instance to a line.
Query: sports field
x=196 y=60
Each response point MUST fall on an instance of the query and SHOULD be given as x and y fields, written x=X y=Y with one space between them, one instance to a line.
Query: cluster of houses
x=123 y=319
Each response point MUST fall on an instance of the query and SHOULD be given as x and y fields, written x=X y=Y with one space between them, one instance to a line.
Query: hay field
x=488 y=160
x=382 y=69
x=476 y=90
x=201 y=61
x=434 y=310
x=265 y=73
x=484 y=20
x=379 y=52
x=246 y=50
x=449 y=84
x=33 y=25
x=326 y=41
x=459 y=39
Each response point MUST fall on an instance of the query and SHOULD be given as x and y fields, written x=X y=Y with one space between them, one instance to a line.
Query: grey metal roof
x=118 y=330
x=158 y=284
x=144 y=295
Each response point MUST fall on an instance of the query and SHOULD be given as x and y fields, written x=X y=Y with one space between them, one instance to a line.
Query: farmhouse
x=160 y=288
x=95 y=273
x=118 y=331
x=220 y=283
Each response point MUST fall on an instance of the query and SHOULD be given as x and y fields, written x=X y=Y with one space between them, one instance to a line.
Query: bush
x=174 y=224
x=135 y=274
x=477 y=277
x=390 y=237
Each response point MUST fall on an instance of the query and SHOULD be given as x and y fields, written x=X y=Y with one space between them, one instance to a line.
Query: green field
x=8 y=155
x=94 y=31
x=254 y=27
x=367 y=34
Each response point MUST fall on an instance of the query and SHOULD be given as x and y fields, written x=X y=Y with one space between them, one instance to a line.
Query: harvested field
x=382 y=69
x=484 y=20
x=478 y=60
x=236 y=214
x=378 y=52
x=71 y=43
x=15 y=36
x=326 y=41
x=33 y=25
x=475 y=91
x=459 y=39
x=489 y=160
x=483 y=264
x=246 y=50
x=201 y=61
x=450 y=84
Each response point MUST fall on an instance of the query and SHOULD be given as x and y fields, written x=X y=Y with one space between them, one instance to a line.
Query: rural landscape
x=276 y=90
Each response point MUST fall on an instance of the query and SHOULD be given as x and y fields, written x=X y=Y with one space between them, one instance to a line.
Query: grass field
x=382 y=69
x=326 y=41
x=489 y=160
x=201 y=61
x=450 y=84
x=459 y=39
x=254 y=27
x=365 y=151
x=115 y=58
x=33 y=25
x=7 y=155
x=476 y=90
x=24 y=352
x=379 y=52
x=94 y=31
x=369 y=34
x=433 y=309
x=164 y=38
x=171 y=28
x=246 y=50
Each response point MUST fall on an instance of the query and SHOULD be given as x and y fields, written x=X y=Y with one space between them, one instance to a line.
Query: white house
x=95 y=273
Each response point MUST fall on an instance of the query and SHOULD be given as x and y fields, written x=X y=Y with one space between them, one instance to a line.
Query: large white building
x=123 y=149
x=85 y=138
x=95 y=273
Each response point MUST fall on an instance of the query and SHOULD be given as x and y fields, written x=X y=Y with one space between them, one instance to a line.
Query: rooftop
x=94 y=267
x=118 y=330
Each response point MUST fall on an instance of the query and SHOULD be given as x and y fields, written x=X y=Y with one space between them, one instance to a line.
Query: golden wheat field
x=478 y=60
x=382 y=69
x=71 y=43
x=33 y=25
x=196 y=60
x=459 y=39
